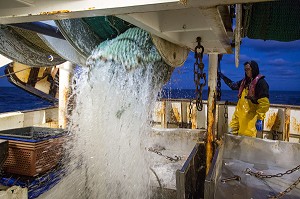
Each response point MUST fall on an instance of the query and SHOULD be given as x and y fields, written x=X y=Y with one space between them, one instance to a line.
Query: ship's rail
x=282 y=122
x=45 y=117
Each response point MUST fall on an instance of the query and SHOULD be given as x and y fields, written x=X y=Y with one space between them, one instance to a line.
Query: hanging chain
x=175 y=159
x=219 y=91
x=198 y=74
x=190 y=113
x=226 y=112
x=278 y=175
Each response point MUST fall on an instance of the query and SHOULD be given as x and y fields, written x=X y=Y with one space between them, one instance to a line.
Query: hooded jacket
x=260 y=87
x=253 y=101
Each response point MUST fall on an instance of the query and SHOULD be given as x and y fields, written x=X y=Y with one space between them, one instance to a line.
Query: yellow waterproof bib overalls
x=247 y=113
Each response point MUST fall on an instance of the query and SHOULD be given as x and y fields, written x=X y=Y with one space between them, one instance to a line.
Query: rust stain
x=271 y=120
x=194 y=117
x=175 y=115
x=159 y=113
x=210 y=124
x=287 y=125
x=295 y=125
x=54 y=12
x=48 y=120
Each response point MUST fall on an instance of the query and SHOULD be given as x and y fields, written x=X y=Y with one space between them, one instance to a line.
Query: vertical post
x=65 y=76
x=211 y=107
x=163 y=114
x=287 y=122
x=238 y=31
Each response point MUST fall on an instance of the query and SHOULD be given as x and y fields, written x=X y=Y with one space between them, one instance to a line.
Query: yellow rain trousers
x=247 y=113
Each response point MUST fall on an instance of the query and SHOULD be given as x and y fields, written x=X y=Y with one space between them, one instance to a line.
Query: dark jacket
x=261 y=88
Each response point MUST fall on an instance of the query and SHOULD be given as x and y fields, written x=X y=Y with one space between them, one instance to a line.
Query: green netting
x=277 y=20
x=132 y=48
x=107 y=27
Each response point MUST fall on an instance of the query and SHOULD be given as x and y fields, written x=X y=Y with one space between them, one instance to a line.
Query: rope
x=6 y=75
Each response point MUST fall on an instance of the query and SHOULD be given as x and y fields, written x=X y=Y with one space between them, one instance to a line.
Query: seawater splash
x=111 y=117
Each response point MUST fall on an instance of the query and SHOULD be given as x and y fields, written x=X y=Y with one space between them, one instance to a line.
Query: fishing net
x=276 y=20
x=134 y=48
x=24 y=50
x=111 y=26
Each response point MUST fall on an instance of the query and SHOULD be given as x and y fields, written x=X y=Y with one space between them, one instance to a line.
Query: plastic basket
x=31 y=134
x=31 y=159
x=29 y=153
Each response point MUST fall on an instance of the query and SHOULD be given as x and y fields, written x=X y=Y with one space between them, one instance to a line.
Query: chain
x=175 y=159
x=190 y=113
x=226 y=112
x=278 y=175
x=219 y=91
x=290 y=188
x=198 y=74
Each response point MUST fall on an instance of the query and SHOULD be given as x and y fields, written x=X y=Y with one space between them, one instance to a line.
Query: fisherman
x=253 y=101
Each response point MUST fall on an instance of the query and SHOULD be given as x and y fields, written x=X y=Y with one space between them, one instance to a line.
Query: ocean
x=276 y=97
x=16 y=99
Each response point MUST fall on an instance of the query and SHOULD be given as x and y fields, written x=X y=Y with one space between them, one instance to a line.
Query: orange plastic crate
x=30 y=159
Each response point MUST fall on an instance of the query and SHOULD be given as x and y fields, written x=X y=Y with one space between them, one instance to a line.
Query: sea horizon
x=23 y=101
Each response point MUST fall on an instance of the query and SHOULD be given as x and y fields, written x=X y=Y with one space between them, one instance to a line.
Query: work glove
x=259 y=125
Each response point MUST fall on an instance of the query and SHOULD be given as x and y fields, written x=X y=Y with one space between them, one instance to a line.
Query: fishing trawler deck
x=175 y=27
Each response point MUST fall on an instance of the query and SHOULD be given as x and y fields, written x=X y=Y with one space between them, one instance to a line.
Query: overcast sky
x=278 y=61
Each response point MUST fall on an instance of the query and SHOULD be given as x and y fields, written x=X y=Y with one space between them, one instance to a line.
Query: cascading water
x=111 y=117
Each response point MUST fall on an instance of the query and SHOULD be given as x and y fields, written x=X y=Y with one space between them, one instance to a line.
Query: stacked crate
x=32 y=150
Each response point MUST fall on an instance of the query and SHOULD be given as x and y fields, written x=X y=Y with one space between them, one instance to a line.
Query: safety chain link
x=290 y=188
x=175 y=159
x=198 y=74
x=190 y=113
x=226 y=112
x=219 y=91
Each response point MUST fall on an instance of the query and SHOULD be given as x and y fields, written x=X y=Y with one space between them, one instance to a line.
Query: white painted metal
x=183 y=26
x=49 y=118
x=65 y=76
x=212 y=85
x=11 y=120
x=13 y=11
x=177 y=21
x=64 y=49
x=4 y=60
x=42 y=118
x=295 y=122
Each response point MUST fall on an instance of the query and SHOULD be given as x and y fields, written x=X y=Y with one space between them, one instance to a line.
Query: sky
x=278 y=61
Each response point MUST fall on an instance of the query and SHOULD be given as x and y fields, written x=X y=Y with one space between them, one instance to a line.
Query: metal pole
x=238 y=31
x=211 y=107
x=65 y=76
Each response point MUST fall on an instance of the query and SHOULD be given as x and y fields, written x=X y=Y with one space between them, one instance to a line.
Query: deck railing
x=282 y=122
